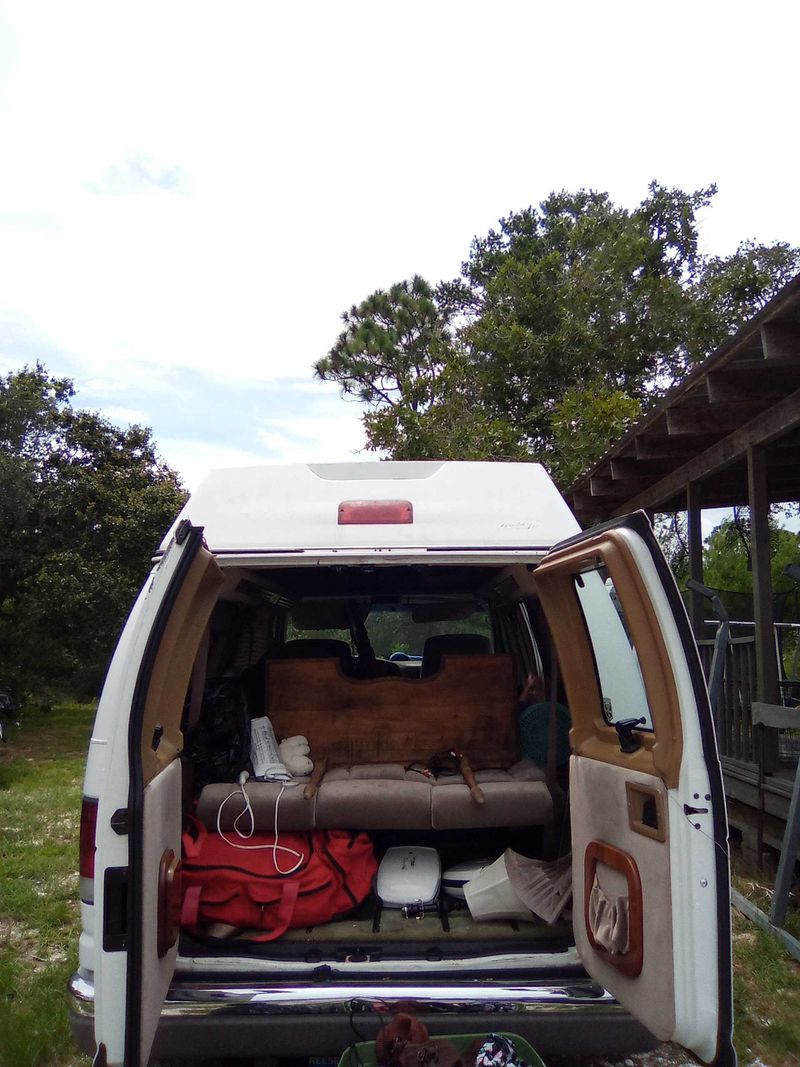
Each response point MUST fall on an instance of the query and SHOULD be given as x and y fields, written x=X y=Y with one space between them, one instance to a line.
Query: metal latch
x=413 y=911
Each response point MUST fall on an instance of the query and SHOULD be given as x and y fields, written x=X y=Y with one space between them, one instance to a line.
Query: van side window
x=515 y=634
x=615 y=657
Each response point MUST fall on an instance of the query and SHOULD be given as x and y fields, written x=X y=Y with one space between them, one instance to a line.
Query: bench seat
x=387 y=796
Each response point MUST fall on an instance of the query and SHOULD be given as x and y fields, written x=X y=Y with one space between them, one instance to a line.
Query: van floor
x=395 y=927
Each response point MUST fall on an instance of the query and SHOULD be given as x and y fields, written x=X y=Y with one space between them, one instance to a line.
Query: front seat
x=317 y=648
x=451 y=645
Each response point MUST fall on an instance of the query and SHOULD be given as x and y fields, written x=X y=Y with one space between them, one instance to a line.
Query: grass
x=41 y=771
x=766 y=981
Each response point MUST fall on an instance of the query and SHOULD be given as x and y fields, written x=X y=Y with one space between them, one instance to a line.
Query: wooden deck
x=740 y=748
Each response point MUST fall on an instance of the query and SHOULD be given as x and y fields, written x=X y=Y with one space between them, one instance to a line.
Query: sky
x=192 y=193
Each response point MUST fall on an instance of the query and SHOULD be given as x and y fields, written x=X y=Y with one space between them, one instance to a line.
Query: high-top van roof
x=455 y=505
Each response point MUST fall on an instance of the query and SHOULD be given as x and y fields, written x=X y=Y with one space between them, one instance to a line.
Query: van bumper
x=213 y=1019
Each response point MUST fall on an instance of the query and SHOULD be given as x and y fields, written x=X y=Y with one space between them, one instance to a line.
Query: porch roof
x=745 y=395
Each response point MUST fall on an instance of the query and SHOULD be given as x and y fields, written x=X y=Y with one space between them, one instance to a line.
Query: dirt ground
x=666 y=1055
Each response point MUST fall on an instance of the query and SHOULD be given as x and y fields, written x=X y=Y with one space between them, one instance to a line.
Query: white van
x=387 y=611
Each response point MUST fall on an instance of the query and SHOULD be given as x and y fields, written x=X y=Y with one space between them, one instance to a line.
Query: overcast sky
x=191 y=193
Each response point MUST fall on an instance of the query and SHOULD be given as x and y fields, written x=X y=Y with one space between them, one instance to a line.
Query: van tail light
x=87 y=848
x=375 y=512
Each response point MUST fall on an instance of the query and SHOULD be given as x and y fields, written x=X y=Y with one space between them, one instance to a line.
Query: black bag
x=219 y=745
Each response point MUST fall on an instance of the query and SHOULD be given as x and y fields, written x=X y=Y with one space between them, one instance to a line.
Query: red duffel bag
x=240 y=884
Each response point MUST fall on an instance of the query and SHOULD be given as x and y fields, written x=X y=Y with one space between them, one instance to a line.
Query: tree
x=567 y=322
x=727 y=559
x=671 y=530
x=85 y=507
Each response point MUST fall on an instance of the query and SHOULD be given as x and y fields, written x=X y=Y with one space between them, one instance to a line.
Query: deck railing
x=733 y=719
x=736 y=738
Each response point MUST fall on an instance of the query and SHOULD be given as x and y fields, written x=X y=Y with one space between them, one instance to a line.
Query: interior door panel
x=144 y=785
x=162 y=833
x=642 y=976
x=651 y=887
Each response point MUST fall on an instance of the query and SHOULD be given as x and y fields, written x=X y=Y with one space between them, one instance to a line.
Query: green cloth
x=534 y=728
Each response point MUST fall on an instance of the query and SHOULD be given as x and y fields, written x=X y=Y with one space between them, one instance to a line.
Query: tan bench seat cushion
x=294 y=811
x=354 y=801
x=385 y=796
x=516 y=797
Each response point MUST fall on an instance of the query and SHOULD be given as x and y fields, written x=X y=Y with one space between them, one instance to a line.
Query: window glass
x=618 y=670
x=392 y=630
x=294 y=632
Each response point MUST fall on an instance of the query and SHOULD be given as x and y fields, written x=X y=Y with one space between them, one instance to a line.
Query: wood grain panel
x=470 y=705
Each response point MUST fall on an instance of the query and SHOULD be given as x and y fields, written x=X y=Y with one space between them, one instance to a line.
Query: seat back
x=316 y=648
x=451 y=645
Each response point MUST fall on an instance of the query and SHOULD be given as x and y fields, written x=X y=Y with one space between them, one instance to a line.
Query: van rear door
x=137 y=871
x=649 y=833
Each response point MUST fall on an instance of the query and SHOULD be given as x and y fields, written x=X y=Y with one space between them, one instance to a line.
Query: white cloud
x=125 y=415
x=136 y=174
x=281 y=441
x=106 y=385
x=191 y=187
x=307 y=439
x=192 y=459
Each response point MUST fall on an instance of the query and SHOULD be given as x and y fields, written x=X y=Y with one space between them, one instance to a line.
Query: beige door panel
x=162 y=740
x=629 y=870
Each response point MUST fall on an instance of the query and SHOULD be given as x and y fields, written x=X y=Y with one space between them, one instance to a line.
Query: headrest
x=451 y=645
x=315 y=648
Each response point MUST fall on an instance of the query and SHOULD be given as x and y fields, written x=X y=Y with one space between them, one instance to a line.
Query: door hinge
x=115 y=909
x=182 y=532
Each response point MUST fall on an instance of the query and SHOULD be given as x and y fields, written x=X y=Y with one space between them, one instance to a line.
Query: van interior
x=393 y=673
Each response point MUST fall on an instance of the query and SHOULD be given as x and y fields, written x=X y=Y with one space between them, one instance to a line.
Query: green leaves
x=85 y=507
x=568 y=320
x=391 y=347
x=585 y=422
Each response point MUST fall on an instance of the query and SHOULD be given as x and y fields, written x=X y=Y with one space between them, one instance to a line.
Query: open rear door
x=649 y=833
x=137 y=867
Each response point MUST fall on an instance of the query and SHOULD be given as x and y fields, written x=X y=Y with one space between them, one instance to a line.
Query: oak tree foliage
x=567 y=321
x=84 y=506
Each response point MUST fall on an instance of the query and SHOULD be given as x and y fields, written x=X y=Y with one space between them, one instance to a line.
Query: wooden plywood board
x=469 y=705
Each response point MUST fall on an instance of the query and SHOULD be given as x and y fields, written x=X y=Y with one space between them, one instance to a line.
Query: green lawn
x=766 y=983
x=41 y=771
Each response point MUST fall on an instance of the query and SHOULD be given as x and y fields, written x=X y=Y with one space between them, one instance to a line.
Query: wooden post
x=697 y=603
x=766 y=664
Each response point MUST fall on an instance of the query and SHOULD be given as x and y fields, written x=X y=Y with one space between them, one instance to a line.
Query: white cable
x=248 y=809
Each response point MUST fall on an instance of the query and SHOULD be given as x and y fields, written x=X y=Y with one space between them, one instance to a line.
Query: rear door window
x=616 y=660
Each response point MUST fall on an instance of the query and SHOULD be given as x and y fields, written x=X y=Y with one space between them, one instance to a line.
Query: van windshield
x=400 y=631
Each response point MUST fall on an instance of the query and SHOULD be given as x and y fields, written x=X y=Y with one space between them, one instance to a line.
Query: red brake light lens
x=87 y=837
x=375 y=512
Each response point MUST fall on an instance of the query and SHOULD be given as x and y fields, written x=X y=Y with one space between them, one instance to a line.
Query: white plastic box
x=409 y=876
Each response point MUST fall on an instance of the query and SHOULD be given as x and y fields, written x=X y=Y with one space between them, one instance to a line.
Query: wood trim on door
x=628 y=963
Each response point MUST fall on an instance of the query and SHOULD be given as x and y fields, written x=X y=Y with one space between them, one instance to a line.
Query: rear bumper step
x=237 y=1019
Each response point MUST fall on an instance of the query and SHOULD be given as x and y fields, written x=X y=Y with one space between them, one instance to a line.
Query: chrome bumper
x=222 y=1019
x=191 y=999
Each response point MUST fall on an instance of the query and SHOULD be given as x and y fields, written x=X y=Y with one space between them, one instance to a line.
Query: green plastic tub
x=362 y=1054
